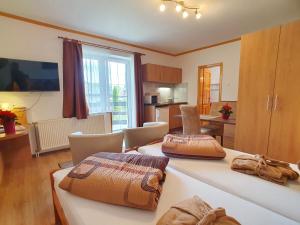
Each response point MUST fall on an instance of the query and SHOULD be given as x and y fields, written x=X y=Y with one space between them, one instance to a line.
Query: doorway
x=209 y=86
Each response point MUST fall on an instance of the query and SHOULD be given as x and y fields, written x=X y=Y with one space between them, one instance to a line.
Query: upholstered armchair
x=140 y=136
x=84 y=145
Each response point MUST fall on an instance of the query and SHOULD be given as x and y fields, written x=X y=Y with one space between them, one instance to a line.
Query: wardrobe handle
x=268 y=103
x=275 y=103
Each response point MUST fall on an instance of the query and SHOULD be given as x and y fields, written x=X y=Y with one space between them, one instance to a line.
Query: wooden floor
x=25 y=194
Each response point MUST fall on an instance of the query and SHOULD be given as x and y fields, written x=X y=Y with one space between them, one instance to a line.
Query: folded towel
x=131 y=180
x=195 y=211
x=298 y=165
x=192 y=146
x=269 y=169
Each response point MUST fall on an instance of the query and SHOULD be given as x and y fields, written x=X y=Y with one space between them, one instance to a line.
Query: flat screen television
x=23 y=75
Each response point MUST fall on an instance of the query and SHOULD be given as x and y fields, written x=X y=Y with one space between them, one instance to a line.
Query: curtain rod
x=100 y=46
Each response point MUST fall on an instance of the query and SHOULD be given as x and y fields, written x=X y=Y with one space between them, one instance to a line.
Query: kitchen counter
x=164 y=112
x=166 y=104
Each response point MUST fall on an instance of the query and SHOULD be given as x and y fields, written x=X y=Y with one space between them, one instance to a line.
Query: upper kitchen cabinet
x=161 y=74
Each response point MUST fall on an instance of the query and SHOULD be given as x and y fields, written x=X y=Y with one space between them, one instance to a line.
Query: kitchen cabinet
x=149 y=113
x=161 y=74
x=174 y=122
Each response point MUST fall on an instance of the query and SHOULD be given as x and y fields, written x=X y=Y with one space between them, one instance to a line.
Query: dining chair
x=191 y=123
x=190 y=119
x=84 y=145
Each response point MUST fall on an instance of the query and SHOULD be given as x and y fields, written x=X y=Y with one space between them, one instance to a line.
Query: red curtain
x=74 y=101
x=139 y=89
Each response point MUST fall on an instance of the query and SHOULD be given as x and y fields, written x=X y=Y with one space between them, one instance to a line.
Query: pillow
x=131 y=180
x=192 y=146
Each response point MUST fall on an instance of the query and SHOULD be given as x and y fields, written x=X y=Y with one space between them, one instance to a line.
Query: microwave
x=150 y=99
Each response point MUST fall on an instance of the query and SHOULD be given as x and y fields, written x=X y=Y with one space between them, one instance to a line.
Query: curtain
x=74 y=102
x=139 y=89
x=96 y=84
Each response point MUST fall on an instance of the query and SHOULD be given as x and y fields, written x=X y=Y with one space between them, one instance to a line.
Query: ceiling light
x=178 y=8
x=181 y=7
x=185 y=14
x=198 y=15
x=162 y=7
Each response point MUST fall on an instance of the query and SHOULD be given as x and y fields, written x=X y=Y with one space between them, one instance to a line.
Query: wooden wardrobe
x=268 y=110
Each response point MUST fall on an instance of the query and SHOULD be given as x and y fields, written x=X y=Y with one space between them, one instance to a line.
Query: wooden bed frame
x=60 y=218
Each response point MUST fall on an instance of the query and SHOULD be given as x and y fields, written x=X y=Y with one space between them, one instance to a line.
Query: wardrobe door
x=256 y=85
x=284 y=141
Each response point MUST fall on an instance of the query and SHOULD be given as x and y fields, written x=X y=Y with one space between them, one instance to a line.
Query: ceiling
x=140 y=22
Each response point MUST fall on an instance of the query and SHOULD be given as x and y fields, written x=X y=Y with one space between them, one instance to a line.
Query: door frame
x=221 y=79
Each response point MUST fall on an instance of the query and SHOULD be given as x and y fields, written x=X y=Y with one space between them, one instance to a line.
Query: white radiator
x=53 y=134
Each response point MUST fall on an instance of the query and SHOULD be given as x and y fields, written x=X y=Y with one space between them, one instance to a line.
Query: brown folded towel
x=192 y=146
x=195 y=211
x=131 y=180
x=269 y=169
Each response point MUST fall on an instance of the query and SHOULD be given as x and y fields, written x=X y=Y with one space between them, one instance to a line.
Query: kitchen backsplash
x=177 y=93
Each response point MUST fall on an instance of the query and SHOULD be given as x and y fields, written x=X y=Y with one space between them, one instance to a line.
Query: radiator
x=53 y=134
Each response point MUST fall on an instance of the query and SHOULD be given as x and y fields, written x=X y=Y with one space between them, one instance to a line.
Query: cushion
x=192 y=146
x=131 y=180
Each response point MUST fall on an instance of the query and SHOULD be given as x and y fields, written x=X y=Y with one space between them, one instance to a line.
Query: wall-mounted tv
x=23 y=75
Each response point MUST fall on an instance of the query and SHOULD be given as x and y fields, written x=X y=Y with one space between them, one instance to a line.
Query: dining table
x=217 y=119
x=213 y=119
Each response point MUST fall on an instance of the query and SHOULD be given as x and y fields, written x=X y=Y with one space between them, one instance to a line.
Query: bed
x=282 y=200
x=73 y=210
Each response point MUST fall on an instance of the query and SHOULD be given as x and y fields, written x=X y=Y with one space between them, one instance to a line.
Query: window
x=109 y=86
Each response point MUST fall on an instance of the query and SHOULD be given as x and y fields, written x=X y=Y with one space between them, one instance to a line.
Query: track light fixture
x=181 y=7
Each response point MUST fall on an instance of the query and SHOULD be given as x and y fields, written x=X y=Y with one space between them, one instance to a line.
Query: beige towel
x=195 y=211
x=269 y=169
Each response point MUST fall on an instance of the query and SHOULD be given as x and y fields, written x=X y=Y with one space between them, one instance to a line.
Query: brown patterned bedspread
x=192 y=146
x=117 y=178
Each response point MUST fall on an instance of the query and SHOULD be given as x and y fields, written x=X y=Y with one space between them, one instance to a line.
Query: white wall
x=21 y=40
x=228 y=54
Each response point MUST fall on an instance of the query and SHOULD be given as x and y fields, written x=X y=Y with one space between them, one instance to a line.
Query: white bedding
x=177 y=187
x=284 y=200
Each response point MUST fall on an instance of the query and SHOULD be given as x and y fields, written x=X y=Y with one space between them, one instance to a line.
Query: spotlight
x=162 y=7
x=178 y=8
x=198 y=15
x=185 y=14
